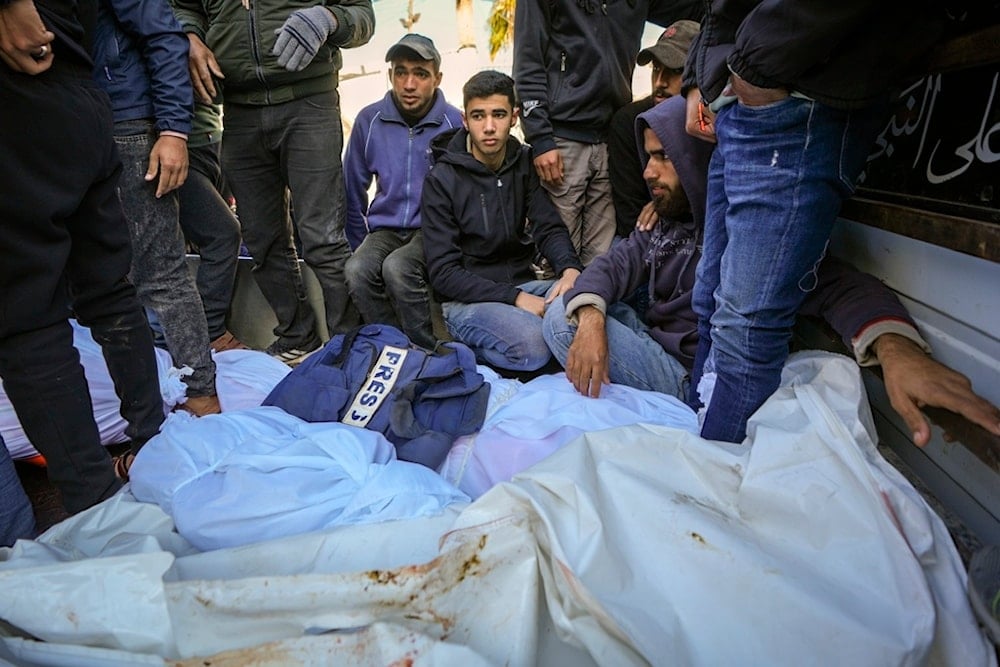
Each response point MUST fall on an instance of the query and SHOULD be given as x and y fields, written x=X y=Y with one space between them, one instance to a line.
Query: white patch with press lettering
x=380 y=381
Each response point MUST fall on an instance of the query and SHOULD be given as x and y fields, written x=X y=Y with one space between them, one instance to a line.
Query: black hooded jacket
x=478 y=242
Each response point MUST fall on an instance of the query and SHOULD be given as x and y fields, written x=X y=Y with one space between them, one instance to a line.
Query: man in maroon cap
x=666 y=58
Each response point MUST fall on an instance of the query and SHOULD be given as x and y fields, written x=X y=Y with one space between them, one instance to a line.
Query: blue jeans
x=387 y=279
x=501 y=335
x=269 y=152
x=17 y=519
x=776 y=183
x=634 y=358
x=208 y=222
x=159 y=268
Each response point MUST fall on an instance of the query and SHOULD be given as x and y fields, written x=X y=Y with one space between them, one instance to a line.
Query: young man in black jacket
x=476 y=204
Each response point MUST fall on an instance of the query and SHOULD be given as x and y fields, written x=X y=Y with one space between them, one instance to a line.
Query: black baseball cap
x=413 y=44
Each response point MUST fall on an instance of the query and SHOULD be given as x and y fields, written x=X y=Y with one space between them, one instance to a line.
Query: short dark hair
x=486 y=83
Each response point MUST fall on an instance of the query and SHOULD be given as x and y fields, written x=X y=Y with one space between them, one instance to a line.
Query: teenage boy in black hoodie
x=476 y=204
x=603 y=340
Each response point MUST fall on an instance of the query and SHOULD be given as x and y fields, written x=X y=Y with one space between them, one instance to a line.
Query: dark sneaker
x=293 y=355
x=984 y=589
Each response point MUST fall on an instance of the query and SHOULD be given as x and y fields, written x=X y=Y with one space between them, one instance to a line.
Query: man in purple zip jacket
x=599 y=339
x=390 y=142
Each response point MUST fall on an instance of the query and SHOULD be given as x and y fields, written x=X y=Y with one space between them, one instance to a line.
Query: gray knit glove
x=300 y=37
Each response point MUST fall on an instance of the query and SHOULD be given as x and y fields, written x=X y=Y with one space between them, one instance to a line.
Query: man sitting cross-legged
x=477 y=203
x=599 y=339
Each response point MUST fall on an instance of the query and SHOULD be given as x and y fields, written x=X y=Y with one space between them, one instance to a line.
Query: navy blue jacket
x=141 y=59
x=477 y=240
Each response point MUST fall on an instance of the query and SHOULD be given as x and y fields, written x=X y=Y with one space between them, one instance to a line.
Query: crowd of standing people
x=666 y=243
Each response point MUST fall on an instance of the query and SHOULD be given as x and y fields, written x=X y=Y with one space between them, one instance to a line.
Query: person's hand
x=303 y=32
x=914 y=380
x=750 y=95
x=203 y=66
x=648 y=218
x=549 y=166
x=587 y=359
x=169 y=161
x=699 y=121
x=25 y=42
x=531 y=303
x=563 y=285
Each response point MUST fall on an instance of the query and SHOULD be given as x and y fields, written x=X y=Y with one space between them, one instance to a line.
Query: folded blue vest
x=374 y=378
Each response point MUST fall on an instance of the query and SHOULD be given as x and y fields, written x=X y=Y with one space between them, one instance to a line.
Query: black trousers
x=63 y=243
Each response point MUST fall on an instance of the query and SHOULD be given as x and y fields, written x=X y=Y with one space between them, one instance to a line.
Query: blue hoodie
x=384 y=147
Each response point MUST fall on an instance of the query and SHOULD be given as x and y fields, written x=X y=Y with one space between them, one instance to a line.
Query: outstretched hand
x=549 y=166
x=587 y=361
x=913 y=380
x=648 y=218
x=531 y=303
x=699 y=121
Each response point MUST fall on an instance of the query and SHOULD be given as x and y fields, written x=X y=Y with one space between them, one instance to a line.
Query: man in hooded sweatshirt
x=600 y=339
x=476 y=206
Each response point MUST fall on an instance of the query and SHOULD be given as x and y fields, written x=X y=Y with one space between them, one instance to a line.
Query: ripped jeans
x=776 y=183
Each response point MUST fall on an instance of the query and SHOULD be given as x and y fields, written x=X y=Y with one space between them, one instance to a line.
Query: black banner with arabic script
x=940 y=150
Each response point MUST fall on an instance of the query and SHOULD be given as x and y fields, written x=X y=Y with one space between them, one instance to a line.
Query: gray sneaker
x=292 y=355
x=984 y=589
